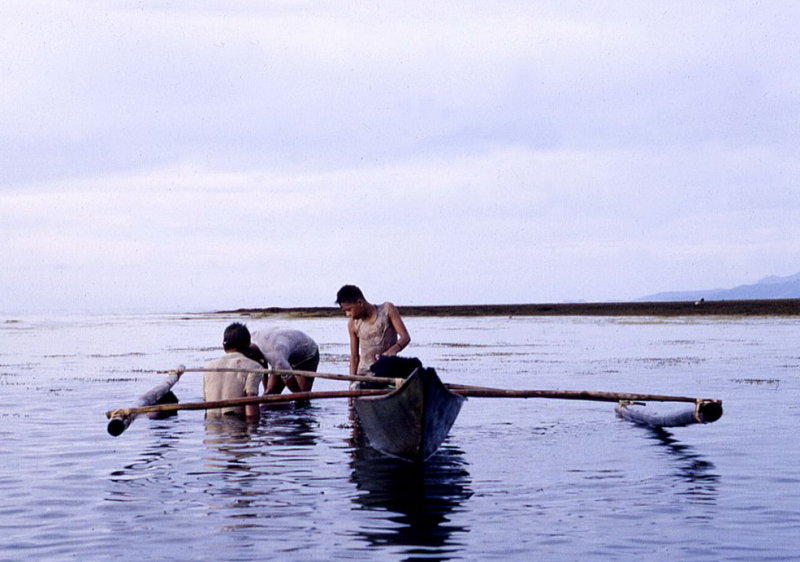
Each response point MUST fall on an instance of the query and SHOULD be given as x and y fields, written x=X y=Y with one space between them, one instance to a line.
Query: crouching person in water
x=233 y=384
x=286 y=350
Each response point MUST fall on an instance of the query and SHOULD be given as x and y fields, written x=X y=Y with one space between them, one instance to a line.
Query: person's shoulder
x=241 y=361
x=233 y=360
x=217 y=363
x=264 y=334
x=295 y=334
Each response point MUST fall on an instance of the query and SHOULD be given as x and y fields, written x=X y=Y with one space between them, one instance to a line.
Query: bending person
x=287 y=350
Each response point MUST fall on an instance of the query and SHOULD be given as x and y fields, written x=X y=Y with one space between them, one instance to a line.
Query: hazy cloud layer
x=226 y=155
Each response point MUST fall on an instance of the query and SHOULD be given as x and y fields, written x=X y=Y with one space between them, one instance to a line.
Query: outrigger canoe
x=412 y=421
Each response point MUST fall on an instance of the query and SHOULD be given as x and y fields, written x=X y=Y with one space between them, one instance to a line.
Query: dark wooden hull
x=412 y=421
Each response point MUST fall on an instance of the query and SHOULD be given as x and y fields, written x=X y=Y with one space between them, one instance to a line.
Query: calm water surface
x=516 y=480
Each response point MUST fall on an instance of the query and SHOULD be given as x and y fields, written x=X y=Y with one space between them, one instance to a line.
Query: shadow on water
x=413 y=500
x=698 y=473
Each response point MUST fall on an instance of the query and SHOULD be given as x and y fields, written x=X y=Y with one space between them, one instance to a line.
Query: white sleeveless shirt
x=374 y=338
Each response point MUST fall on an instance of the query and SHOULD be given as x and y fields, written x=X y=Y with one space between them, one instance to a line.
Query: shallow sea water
x=516 y=480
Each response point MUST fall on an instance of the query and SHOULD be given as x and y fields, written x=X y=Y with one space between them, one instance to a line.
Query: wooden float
x=703 y=411
x=119 y=421
x=412 y=421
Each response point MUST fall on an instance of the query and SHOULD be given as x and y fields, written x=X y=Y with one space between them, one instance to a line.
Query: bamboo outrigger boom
x=479 y=391
x=312 y=374
x=704 y=410
x=262 y=399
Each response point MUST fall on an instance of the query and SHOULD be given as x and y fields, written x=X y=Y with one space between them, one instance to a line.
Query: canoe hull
x=412 y=421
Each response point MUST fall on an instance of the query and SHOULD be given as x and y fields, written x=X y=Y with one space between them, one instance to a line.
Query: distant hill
x=771 y=287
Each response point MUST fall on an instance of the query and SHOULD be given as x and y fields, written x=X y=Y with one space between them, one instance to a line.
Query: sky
x=198 y=156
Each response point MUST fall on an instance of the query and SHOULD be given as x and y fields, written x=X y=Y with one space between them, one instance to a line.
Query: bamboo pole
x=262 y=399
x=477 y=391
x=484 y=392
x=122 y=419
x=312 y=374
x=705 y=410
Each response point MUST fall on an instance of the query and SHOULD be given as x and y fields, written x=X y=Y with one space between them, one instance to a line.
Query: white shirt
x=232 y=384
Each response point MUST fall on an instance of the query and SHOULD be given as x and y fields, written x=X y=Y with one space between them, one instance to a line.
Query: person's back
x=231 y=384
x=287 y=350
x=226 y=385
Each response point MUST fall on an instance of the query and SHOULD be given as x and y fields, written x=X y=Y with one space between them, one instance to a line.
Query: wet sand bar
x=772 y=307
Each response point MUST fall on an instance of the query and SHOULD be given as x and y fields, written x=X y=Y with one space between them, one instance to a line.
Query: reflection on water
x=691 y=468
x=412 y=501
x=289 y=424
x=233 y=455
x=231 y=441
x=151 y=465
x=228 y=444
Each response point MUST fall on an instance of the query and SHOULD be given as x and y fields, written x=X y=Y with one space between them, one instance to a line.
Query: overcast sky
x=248 y=154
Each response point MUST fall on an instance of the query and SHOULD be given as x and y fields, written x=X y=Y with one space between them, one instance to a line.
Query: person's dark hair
x=349 y=293
x=236 y=337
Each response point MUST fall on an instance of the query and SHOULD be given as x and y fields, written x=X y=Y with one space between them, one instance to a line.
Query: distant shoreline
x=771 y=307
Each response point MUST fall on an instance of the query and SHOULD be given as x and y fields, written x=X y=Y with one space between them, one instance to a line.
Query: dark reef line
x=772 y=307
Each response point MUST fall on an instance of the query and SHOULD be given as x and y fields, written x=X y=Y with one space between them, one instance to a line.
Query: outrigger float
x=411 y=416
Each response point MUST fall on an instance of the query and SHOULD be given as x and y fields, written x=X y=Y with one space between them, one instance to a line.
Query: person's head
x=236 y=338
x=351 y=300
x=349 y=293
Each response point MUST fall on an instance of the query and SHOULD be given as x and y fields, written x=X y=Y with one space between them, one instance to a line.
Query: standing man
x=287 y=350
x=375 y=330
x=232 y=384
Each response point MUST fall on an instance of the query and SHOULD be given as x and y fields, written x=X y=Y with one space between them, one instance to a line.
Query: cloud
x=513 y=225
x=188 y=156
x=146 y=85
